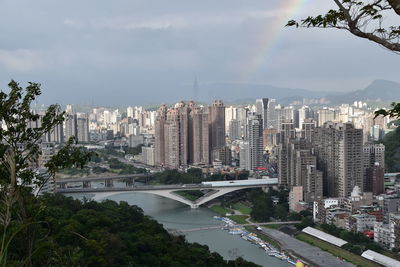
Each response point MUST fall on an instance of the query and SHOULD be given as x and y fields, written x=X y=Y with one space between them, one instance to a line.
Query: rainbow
x=270 y=37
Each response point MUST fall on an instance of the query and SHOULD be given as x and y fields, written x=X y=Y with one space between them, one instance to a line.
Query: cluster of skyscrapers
x=189 y=134
x=324 y=152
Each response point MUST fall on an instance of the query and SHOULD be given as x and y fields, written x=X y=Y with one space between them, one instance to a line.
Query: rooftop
x=324 y=236
x=381 y=259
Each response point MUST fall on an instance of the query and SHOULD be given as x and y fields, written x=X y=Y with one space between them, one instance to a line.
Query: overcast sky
x=121 y=52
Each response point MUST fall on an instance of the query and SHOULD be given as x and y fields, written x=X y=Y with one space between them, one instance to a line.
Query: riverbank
x=311 y=254
x=254 y=237
x=338 y=252
x=286 y=243
x=176 y=216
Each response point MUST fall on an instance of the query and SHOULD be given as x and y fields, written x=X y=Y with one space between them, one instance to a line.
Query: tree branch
x=395 y=4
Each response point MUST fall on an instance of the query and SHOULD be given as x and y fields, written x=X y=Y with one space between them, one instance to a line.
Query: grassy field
x=336 y=251
x=240 y=219
x=240 y=206
x=220 y=210
x=393 y=255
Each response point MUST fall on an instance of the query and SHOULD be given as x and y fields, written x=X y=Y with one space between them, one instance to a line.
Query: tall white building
x=130 y=112
x=230 y=114
x=255 y=131
x=244 y=155
x=304 y=113
x=272 y=121
x=262 y=109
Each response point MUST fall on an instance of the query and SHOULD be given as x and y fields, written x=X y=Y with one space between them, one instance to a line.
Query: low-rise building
x=360 y=222
x=148 y=156
x=382 y=234
x=295 y=197
x=388 y=235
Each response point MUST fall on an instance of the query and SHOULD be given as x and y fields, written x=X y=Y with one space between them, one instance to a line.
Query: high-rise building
x=82 y=126
x=69 y=109
x=304 y=114
x=130 y=112
x=241 y=116
x=56 y=135
x=255 y=131
x=148 y=155
x=307 y=129
x=374 y=153
x=272 y=121
x=374 y=177
x=234 y=130
x=338 y=147
x=183 y=134
x=244 y=155
x=325 y=115
x=201 y=147
x=71 y=126
x=216 y=120
x=287 y=134
x=262 y=109
x=230 y=114
x=313 y=190
x=172 y=140
x=159 y=140
x=270 y=137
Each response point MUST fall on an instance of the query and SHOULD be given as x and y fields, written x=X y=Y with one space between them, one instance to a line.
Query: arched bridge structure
x=214 y=190
x=108 y=180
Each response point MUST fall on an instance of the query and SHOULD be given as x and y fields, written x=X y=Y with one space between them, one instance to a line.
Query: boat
x=235 y=231
x=289 y=260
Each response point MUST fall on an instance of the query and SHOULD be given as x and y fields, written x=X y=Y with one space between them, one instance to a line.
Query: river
x=174 y=215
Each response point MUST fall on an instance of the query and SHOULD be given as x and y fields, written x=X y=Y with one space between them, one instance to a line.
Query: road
x=313 y=255
x=236 y=225
x=236 y=184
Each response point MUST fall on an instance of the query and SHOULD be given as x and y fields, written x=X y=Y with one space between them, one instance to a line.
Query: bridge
x=108 y=180
x=233 y=226
x=212 y=189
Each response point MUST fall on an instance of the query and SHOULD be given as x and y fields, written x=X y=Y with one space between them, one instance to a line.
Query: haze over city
x=149 y=52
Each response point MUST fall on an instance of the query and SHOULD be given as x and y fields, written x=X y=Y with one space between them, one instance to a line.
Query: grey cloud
x=136 y=52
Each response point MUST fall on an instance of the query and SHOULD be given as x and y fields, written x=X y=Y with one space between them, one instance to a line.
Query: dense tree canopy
x=109 y=234
x=392 y=150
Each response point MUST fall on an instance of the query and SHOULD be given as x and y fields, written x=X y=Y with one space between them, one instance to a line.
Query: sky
x=131 y=52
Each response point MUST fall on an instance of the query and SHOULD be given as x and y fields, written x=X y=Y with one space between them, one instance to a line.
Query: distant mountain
x=378 y=90
x=245 y=92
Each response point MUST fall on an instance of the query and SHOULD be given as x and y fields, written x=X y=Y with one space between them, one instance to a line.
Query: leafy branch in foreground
x=19 y=150
x=364 y=19
x=393 y=112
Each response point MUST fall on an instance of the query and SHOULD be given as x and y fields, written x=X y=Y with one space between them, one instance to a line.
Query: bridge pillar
x=129 y=182
x=87 y=184
x=108 y=183
x=194 y=206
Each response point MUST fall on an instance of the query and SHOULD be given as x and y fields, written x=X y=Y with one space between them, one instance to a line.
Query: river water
x=174 y=215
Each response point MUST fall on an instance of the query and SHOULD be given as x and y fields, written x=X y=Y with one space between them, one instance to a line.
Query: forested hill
x=109 y=234
x=392 y=150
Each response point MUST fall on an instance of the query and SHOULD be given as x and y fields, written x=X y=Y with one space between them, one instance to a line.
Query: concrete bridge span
x=216 y=189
